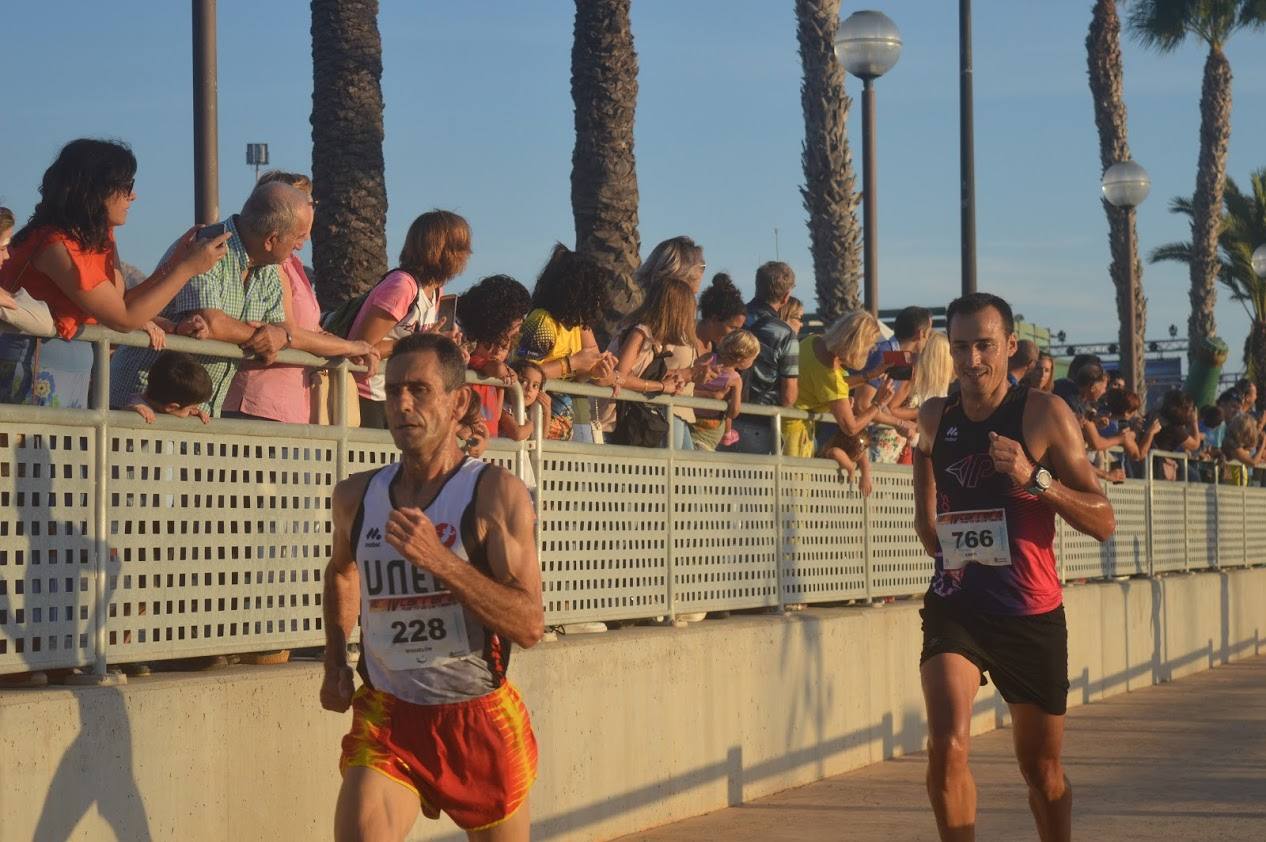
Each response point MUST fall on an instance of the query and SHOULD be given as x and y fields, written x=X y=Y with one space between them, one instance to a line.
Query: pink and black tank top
x=966 y=481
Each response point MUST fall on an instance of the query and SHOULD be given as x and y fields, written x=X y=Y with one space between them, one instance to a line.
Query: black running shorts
x=1026 y=656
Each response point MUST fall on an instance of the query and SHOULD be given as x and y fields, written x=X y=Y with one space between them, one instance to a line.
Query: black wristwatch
x=1040 y=482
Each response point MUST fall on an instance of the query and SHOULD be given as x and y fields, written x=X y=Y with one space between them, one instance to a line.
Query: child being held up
x=178 y=385
x=472 y=430
x=850 y=452
x=736 y=352
x=531 y=380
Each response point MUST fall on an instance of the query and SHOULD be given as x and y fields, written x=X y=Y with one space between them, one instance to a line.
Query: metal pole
x=1130 y=346
x=206 y=165
x=966 y=147
x=869 y=205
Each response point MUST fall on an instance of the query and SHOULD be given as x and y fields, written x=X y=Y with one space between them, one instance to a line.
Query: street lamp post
x=868 y=45
x=206 y=157
x=1125 y=186
x=1259 y=261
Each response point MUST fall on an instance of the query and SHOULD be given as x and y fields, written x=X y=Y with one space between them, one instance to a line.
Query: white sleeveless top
x=418 y=643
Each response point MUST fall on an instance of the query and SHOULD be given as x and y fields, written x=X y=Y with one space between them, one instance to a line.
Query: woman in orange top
x=66 y=257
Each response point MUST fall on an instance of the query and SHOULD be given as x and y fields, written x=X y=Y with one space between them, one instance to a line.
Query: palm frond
x=1182 y=204
x=1160 y=24
x=1173 y=253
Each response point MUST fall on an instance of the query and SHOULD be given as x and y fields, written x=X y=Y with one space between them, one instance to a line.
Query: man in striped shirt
x=239 y=299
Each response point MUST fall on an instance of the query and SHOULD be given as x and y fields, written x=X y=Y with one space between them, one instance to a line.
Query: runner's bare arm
x=509 y=602
x=924 y=479
x=341 y=604
x=1056 y=442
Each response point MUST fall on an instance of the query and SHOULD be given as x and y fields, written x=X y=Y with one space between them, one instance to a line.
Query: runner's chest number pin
x=979 y=536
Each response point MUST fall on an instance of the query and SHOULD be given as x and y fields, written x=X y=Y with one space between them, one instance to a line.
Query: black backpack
x=642 y=424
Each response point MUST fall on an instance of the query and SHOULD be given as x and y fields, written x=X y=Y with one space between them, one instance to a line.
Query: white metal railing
x=122 y=541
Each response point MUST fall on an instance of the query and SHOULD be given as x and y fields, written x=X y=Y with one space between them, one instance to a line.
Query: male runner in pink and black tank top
x=994 y=466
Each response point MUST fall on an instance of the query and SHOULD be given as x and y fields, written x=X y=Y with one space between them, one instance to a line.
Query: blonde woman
x=676 y=259
x=933 y=371
x=656 y=330
x=793 y=314
x=825 y=384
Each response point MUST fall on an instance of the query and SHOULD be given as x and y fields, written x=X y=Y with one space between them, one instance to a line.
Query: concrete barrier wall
x=638 y=727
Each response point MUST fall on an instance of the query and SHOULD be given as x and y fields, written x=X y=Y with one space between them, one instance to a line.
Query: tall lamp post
x=868 y=45
x=1259 y=261
x=1125 y=186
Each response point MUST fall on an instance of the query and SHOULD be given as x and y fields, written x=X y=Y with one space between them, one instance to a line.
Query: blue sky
x=478 y=119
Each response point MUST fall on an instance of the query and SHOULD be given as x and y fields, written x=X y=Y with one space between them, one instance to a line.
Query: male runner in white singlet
x=435 y=555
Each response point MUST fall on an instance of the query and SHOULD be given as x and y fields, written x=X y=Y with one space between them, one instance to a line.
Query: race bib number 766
x=978 y=536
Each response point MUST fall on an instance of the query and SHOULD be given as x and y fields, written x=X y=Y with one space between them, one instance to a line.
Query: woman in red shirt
x=66 y=257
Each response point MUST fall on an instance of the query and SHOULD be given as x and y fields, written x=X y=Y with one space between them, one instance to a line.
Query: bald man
x=239 y=298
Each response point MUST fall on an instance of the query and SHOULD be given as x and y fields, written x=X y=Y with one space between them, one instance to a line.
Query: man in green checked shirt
x=239 y=299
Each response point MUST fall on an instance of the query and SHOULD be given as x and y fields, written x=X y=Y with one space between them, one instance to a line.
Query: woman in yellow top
x=824 y=382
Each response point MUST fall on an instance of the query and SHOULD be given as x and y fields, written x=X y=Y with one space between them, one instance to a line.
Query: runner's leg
x=517 y=828
x=1039 y=738
x=373 y=808
x=950 y=683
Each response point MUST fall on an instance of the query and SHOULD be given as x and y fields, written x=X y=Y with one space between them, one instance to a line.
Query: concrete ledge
x=637 y=727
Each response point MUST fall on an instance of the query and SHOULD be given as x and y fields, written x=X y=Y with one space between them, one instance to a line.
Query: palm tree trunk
x=349 y=240
x=1215 y=132
x=1107 y=88
x=829 y=193
x=604 y=195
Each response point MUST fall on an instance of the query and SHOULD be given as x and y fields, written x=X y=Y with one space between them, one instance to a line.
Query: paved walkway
x=1181 y=761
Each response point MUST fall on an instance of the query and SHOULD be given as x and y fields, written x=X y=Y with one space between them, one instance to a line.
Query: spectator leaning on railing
x=283 y=392
x=679 y=260
x=178 y=386
x=1242 y=449
x=893 y=428
x=406 y=300
x=66 y=257
x=824 y=382
x=734 y=354
x=773 y=378
x=570 y=297
x=490 y=314
x=721 y=312
x=643 y=347
x=239 y=298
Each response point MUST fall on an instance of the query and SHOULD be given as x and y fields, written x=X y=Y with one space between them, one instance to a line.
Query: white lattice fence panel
x=47 y=547
x=1125 y=553
x=1255 y=525
x=604 y=534
x=899 y=566
x=823 y=537
x=217 y=542
x=1230 y=508
x=1169 y=530
x=725 y=544
x=369 y=454
x=1202 y=526
x=1080 y=556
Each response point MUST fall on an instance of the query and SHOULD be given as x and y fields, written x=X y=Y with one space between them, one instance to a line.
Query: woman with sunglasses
x=66 y=257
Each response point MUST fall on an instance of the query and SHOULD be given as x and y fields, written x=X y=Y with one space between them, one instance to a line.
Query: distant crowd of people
x=241 y=281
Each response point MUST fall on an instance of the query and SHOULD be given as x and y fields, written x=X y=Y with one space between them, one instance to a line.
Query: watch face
x=1043 y=479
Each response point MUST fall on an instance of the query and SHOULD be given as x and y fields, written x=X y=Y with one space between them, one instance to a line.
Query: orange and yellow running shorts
x=474 y=760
